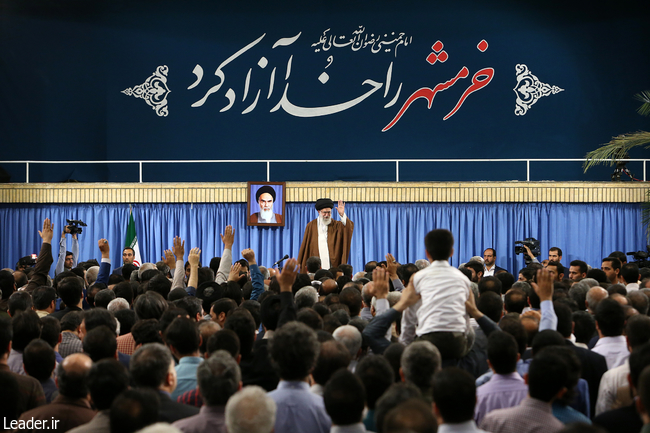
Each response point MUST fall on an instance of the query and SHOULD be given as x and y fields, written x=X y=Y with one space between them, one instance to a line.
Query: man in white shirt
x=610 y=321
x=630 y=276
x=440 y=316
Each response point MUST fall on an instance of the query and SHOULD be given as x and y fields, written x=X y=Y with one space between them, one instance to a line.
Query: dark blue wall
x=66 y=63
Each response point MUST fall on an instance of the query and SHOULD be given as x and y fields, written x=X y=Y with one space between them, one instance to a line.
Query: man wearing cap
x=327 y=238
x=265 y=197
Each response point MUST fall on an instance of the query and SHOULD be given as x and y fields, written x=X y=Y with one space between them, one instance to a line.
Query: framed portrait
x=266 y=204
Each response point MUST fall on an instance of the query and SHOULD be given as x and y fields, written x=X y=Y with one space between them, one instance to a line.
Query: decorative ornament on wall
x=154 y=91
x=529 y=90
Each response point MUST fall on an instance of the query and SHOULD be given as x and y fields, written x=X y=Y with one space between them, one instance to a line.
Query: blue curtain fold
x=583 y=231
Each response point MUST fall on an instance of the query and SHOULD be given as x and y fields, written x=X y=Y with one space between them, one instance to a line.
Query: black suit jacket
x=171 y=411
x=594 y=366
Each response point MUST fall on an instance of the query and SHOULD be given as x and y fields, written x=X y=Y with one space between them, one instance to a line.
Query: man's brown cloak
x=339 y=237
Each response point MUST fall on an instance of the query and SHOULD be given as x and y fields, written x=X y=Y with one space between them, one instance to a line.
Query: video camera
x=74 y=226
x=532 y=244
x=641 y=258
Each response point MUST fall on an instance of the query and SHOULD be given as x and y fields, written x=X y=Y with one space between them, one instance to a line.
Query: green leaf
x=644 y=97
x=616 y=149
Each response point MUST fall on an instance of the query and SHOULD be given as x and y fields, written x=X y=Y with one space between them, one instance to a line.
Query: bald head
x=329 y=286
x=72 y=376
x=79 y=363
x=619 y=298
x=594 y=296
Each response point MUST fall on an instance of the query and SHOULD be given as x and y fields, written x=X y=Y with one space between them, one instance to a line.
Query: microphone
x=286 y=256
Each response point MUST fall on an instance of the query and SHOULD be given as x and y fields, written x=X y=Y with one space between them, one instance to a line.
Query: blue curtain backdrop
x=583 y=231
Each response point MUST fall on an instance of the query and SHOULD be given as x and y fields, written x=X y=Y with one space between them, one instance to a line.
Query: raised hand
x=391 y=266
x=379 y=283
x=104 y=248
x=48 y=231
x=234 y=272
x=288 y=275
x=169 y=260
x=341 y=208
x=229 y=237
x=195 y=256
x=179 y=248
x=249 y=255
x=544 y=286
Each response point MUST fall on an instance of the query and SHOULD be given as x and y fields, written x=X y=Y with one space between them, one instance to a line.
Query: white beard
x=324 y=221
x=266 y=215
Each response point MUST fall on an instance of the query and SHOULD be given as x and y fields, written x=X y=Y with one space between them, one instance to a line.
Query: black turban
x=262 y=190
x=323 y=203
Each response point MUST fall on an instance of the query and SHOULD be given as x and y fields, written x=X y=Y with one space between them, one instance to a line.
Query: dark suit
x=69 y=413
x=30 y=393
x=256 y=368
x=594 y=366
x=59 y=314
x=171 y=411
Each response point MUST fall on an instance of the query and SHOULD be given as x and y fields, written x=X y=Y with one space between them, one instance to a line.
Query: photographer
x=67 y=260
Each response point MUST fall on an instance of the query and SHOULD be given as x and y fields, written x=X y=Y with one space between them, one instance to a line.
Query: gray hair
x=265 y=272
x=420 y=361
x=523 y=285
x=250 y=410
x=422 y=263
x=393 y=298
x=145 y=267
x=306 y=297
x=350 y=337
x=91 y=275
x=162 y=267
x=218 y=378
x=118 y=304
x=591 y=282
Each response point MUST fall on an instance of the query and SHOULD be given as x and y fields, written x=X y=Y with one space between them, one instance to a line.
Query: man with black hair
x=578 y=270
x=70 y=291
x=152 y=366
x=546 y=379
x=99 y=343
x=454 y=397
x=352 y=298
x=629 y=276
x=515 y=300
x=397 y=394
x=149 y=305
x=71 y=408
x=31 y=393
x=183 y=338
x=44 y=262
x=490 y=284
x=71 y=334
x=489 y=259
x=218 y=378
x=437 y=318
x=294 y=351
x=506 y=388
x=377 y=376
x=333 y=356
x=612 y=268
x=637 y=333
x=133 y=410
x=556 y=269
x=593 y=364
x=39 y=362
x=128 y=256
x=344 y=399
x=19 y=302
x=106 y=380
x=44 y=298
x=313 y=265
x=610 y=322
x=26 y=327
x=476 y=268
x=626 y=418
